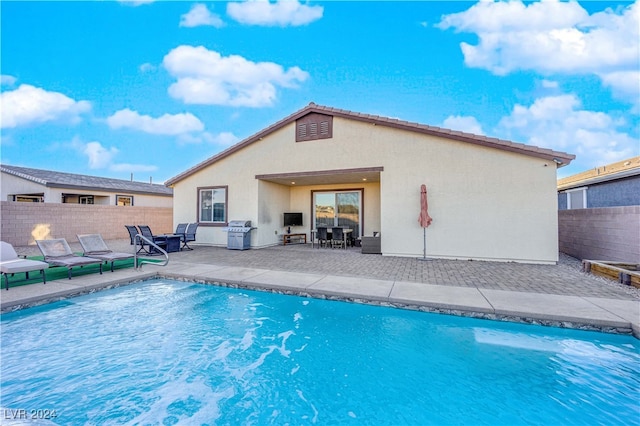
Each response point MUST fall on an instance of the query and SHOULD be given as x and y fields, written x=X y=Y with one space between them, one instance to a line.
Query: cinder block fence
x=608 y=233
x=23 y=223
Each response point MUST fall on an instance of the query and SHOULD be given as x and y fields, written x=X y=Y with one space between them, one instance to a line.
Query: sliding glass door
x=338 y=208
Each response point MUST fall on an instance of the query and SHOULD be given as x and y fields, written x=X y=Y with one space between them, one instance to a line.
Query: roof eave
x=560 y=158
x=600 y=179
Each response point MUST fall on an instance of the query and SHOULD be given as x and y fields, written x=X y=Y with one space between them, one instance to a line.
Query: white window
x=212 y=205
x=86 y=199
x=577 y=198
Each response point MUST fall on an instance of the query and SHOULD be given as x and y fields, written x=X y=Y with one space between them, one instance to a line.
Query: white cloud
x=550 y=37
x=206 y=77
x=28 y=105
x=199 y=15
x=147 y=67
x=135 y=2
x=128 y=167
x=281 y=13
x=560 y=123
x=625 y=85
x=549 y=84
x=7 y=80
x=167 y=124
x=223 y=139
x=463 y=124
x=99 y=156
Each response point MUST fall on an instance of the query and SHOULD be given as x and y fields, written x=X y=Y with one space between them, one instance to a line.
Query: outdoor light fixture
x=557 y=161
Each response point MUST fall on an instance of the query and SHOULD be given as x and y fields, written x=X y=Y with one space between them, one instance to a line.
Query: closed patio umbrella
x=424 y=219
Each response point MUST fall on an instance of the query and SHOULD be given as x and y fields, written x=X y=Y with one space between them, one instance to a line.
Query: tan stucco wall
x=486 y=203
x=11 y=185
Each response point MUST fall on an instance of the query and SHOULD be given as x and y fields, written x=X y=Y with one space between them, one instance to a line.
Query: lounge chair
x=189 y=236
x=57 y=252
x=10 y=263
x=94 y=246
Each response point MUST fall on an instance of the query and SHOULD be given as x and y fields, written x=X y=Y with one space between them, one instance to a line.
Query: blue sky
x=151 y=88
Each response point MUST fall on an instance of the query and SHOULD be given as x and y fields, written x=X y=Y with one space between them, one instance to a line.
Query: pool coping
x=586 y=313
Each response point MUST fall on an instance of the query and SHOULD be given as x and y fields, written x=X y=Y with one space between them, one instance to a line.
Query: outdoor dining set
x=335 y=236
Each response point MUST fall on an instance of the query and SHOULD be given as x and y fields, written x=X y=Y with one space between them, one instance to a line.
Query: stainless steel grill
x=239 y=234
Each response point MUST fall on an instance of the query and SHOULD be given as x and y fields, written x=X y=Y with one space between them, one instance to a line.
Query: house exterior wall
x=619 y=192
x=610 y=233
x=486 y=203
x=23 y=223
x=11 y=185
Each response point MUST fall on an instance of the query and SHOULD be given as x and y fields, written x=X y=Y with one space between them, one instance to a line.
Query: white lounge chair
x=10 y=263
x=57 y=252
x=94 y=246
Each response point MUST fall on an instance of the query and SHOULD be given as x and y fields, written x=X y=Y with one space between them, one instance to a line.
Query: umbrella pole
x=424 y=248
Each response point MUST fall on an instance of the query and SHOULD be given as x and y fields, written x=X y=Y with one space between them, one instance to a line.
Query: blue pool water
x=167 y=352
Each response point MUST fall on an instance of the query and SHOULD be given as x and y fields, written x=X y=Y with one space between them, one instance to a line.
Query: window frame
x=570 y=192
x=124 y=196
x=199 y=191
x=89 y=199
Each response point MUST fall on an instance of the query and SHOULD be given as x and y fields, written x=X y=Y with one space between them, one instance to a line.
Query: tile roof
x=55 y=179
x=618 y=170
x=561 y=158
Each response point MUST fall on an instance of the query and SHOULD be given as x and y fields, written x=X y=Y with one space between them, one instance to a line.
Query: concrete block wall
x=22 y=223
x=609 y=233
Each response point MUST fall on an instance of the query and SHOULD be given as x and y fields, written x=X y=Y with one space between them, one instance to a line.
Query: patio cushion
x=10 y=263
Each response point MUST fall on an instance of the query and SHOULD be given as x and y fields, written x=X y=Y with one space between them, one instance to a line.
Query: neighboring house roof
x=55 y=179
x=561 y=158
x=613 y=171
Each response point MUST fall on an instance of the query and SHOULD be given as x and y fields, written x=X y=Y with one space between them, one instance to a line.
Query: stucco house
x=599 y=213
x=489 y=199
x=36 y=185
x=616 y=184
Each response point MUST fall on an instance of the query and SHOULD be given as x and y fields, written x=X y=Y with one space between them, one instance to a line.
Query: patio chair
x=94 y=246
x=189 y=236
x=160 y=241
x=10 y=263
x=57 y=252
x=322 y=235
x=337 y=237
x=181 y=229
x=133 y=231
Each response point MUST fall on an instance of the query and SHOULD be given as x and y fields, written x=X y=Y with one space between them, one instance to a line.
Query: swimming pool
x=169 y=352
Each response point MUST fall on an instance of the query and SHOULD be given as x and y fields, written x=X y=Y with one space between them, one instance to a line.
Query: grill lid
x=239 y=226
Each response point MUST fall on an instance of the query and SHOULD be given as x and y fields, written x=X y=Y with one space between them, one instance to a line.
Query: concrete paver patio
x=549 y=294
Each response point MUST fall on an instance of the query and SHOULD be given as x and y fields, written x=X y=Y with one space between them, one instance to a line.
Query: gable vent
x=324 y=127
x=302 y=131
x=314 y=126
